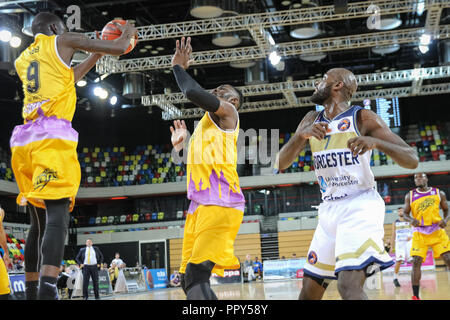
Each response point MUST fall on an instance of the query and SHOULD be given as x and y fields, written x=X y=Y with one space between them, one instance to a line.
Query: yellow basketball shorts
x=209 y=234
x=4 y=279
x=45 y=162
x=438 y=241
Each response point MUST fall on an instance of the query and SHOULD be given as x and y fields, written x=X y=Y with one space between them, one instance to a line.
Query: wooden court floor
x=435 y=285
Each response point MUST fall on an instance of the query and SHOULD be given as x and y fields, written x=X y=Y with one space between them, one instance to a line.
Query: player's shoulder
x=311 y=116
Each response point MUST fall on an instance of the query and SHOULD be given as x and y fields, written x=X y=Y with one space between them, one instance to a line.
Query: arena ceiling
x=160 y=81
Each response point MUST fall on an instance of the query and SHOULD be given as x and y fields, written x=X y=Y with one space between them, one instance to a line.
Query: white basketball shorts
x=403 y=250
x=349 y=236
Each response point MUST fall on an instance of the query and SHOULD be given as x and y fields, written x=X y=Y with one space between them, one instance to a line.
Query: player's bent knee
x=196 y=274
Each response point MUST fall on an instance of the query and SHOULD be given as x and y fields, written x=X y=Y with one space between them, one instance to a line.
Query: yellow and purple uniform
x=44 y=157
x=4 y=279
x=217 y=203
x=425 y=208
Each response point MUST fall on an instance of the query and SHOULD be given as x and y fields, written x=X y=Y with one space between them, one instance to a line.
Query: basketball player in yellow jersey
x=424 y=203
x=44 y=156
x=217 y=203
x=348 y=241
x=5 y=262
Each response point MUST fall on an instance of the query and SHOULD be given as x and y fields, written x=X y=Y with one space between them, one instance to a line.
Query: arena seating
x=16 y=247
x=120 y=166
x=5 y=166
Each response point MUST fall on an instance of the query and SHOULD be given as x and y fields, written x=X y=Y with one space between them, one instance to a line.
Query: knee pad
x=34 y=239
x=197 y=273
x=183 y=282
x=56 y=231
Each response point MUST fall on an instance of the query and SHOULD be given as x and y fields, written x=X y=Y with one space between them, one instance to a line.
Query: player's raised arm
x=305 y=130
x=376 y=134
x=192 y=90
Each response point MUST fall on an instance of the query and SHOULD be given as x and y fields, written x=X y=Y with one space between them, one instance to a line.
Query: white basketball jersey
x=340 y=175
x=403 y=230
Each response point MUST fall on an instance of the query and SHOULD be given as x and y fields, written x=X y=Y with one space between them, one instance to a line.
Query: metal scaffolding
x=367 y=79
x=304 y=101
x=110 y=64
x=279 y=18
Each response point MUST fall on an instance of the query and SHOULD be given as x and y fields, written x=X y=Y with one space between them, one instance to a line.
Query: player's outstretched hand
x=442 y=224
x=361 y=144
x=128 y=29
x=182 y=56
x=179 y=134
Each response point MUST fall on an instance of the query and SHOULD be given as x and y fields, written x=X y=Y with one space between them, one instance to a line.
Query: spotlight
x=15 y=42
x=113 y=100
x=423 y=49
x=420 y=7
x=5 y=35
x=81 y=83
x=274 y=58
x=425 y=39
x=101 y=93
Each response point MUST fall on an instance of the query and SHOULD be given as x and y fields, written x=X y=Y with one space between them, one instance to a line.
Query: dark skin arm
x=444 y=207
x=69 y=42
x=407 y=210
x=376 y=134
x=226 y=116
x=305 y=130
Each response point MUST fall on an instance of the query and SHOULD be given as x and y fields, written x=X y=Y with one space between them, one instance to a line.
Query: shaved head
x=348 y=78
x=47 y=23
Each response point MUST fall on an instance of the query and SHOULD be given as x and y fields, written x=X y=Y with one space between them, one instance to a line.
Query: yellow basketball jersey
x=211 y=169
x=425 y=206
x=48 y=83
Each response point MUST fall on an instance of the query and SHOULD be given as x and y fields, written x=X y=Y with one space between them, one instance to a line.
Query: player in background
x=401 y=240
x=423 y=203
x=5 y=262
x=44 y=148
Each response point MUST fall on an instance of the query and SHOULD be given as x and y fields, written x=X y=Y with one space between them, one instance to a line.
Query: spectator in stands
x=89 y=258
x=17 y=264
x=5 y=262
x=117 y=260
x=248 y=268
x=113 y=274
x=175 y=280
x=283 y=257
x=258 y=268
x=104 y=266
x=294 y=255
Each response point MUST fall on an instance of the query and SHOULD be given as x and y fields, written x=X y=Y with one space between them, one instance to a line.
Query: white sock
x=395 y=276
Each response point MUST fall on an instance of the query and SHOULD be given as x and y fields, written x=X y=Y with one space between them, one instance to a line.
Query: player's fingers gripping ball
x=111 y=31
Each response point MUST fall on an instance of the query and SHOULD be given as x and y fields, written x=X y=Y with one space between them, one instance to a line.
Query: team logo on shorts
x=44 y=178
x=312 y=257
x=344 y=125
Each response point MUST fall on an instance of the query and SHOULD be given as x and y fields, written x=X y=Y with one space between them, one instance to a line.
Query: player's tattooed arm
x=305 y=130
x=444 y=207
x=376 y=134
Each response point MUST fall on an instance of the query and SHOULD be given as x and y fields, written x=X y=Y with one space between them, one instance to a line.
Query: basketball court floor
x=435 y=285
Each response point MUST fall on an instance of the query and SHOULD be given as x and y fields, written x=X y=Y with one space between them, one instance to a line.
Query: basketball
x=110 y=32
